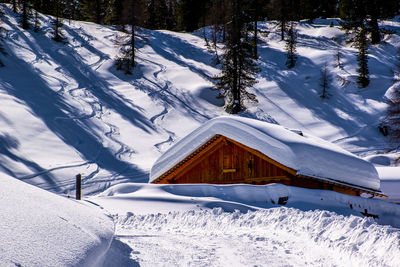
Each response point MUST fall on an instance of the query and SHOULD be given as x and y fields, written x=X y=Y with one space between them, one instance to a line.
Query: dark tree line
x=2 y=50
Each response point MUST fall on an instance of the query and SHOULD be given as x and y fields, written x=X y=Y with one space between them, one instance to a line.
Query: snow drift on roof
x=308 y=155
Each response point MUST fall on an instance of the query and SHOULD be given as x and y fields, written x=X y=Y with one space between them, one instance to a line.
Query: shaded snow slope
x=242 y=225
x=38 y=228
x=306 y=154
x=390 y=182
x=64 y=108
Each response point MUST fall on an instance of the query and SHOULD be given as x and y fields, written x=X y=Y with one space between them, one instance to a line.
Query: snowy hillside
x=65 y=109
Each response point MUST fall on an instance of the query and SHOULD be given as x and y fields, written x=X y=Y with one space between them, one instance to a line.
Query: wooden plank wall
x=232 y=164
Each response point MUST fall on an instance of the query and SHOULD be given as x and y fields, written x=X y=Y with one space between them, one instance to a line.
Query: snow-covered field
x=64 y=110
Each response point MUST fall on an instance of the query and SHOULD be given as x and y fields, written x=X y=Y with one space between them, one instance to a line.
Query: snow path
x=273 y=237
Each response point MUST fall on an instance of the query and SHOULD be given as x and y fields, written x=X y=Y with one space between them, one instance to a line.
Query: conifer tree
x=93 y=10
x=2 y=30
x=238 y=68
x=14 y=5
x=189 y=14
x=133 y=15
x=115 y=14
x=283 y=11
x=362 y=59
x=291 y=43
x=70 y=10
x=257 y=8
x=355 y=24
x=57 y=22
x=157 y=14
x=324 y=81
x=25 y=16
x=36 y=7
x=171 y=15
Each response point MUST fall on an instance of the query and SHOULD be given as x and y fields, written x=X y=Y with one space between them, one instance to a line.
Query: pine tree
x=238 y=68
x=93 y=10
x=36 y=7
x=171 y=15
x=133 y=15
x=324 y=81
x=284 y=11
x=2 y=30
x=257 y=8
x=355 y=24
x=25 y=16
x=71 y=10
x=157 y=14
x=14 y=5
x=189 y=14
x=291 y=43
x=57 y=22
x=115 y=14
x=362 y=59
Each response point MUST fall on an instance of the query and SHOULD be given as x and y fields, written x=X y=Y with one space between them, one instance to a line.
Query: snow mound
x=38 y=228
x=305 y=236
x=308 y=155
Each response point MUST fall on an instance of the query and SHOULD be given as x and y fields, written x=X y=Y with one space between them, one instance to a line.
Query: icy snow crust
x=241 y=225
x=38 y=228
x=306 y=154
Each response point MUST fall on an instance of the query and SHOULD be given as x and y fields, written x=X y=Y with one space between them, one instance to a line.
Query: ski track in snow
x=98 y=109
x=274 y=237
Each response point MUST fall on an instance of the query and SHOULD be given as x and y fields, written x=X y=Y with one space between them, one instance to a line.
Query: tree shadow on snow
x=170 y=48
x=7 y=144
x=289 y=81
x=21 y=80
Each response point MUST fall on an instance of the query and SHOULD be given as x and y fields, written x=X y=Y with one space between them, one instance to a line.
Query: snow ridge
x=322 y=237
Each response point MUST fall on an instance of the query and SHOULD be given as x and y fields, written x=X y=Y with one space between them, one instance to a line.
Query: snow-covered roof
x=306 y=154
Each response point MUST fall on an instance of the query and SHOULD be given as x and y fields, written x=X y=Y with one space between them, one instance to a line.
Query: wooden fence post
x=78 y=186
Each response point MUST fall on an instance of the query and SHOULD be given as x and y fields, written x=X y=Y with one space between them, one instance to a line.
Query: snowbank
x=155 y=198
x=38 y=228
x=318 y=238
x=220 y=225
x=308 y=155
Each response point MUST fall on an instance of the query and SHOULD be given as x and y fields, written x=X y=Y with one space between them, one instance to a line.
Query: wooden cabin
x=223 y=160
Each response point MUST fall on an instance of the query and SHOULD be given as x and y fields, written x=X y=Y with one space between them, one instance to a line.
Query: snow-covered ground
x=64 y=110
x=39 y=228
x=242 y=225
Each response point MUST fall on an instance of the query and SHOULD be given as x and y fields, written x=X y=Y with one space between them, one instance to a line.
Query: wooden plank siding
x=224 y=161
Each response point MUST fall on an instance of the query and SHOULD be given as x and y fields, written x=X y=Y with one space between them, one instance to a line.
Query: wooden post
x=78 y=186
